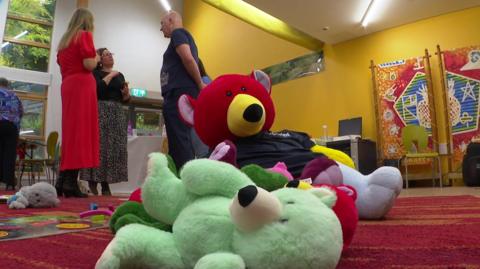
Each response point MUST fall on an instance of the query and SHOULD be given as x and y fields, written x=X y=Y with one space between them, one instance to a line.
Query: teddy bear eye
x=36 y=194
x=243 y=89
x=38 y=200
x=229 y=93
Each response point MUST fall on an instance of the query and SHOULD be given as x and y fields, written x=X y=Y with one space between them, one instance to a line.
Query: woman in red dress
x=80 y=136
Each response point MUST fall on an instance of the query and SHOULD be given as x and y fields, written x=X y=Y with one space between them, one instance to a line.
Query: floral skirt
x=113 y=145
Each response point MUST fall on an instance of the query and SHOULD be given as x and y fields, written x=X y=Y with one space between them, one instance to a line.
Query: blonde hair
x=82 y=19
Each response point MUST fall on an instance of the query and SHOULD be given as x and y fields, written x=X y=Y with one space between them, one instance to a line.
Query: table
x=139 y=147
x=25 y=148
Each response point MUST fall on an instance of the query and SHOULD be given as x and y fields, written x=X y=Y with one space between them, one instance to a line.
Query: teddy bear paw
x=387 y=177
x=108 y=260
x=383 y=187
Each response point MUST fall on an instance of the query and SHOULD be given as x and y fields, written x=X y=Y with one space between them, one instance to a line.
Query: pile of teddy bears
x=250 y=205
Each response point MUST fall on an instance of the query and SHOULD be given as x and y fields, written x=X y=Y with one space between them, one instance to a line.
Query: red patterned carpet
x=423 y=232
x=428 y=232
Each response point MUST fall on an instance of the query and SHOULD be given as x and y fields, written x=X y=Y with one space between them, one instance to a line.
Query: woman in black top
x=112 y=91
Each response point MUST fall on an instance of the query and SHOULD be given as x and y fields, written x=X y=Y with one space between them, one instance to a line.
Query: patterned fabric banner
x=302 y=66
x=402 y=99
x=462 y=76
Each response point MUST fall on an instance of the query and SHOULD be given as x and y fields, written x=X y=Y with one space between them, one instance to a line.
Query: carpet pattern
x=71 y=250
x=420 y=232
x=424 y=232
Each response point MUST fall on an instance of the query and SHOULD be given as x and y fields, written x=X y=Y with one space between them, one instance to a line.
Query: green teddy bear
x=220 y=219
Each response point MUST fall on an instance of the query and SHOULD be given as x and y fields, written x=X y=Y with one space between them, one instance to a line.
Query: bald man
x=179 y=75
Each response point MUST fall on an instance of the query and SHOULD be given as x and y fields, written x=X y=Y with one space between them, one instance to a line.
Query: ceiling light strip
x=366 y=17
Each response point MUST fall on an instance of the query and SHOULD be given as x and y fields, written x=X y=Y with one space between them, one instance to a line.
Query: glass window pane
x=32 y=122
x=148 y=123
x=25 y=87
x=21 y=30
x=24 y=57
x=35 y=9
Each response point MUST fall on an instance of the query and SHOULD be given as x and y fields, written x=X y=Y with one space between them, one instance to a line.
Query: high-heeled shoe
x=59 y=183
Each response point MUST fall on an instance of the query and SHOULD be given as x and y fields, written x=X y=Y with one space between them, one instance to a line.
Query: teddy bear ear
x=186 y=106
x=263 y=78
x=326 y=195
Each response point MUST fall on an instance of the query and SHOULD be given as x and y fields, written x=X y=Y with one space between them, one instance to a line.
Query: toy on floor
x=40 y=194
x=221 y=220
x=132 y=211
x=97 y=215
x=344 y=206
x=233 y=116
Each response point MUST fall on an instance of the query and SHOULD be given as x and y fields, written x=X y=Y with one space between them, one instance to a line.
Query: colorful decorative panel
x=402 y=99
x=462 y=78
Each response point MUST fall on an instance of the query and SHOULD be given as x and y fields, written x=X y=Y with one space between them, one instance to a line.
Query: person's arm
x=20 y=107
x=110 y=76
x=102 y=87
x=190 y=64
x=124 y=90
x=87 y=51
x=91 y=63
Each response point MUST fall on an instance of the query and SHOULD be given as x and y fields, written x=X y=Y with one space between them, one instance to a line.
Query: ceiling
x=343 y=17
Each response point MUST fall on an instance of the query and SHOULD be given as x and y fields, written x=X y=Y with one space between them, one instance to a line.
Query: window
x=27 y=36
x=34 y=102
x=25 y=55
x=148 y=122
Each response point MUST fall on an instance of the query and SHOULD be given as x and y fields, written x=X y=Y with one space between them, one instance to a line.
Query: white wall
x=63 y=11
x=131 y=30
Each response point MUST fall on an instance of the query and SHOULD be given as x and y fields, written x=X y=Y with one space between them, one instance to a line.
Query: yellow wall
x=344 y=89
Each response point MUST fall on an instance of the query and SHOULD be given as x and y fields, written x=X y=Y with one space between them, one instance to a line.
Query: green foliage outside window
x=26 y=56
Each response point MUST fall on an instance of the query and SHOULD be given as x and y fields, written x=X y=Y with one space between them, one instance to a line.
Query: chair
x=49 y=164
x=415 y=142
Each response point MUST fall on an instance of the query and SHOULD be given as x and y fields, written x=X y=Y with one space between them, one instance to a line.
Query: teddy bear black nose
x=293 y=184
x=246 y=195
x=253 y=113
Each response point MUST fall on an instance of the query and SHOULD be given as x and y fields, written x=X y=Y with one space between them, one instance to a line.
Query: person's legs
x=105 y=189
x=8 y=152
x=201 y=150
x=178 y=133
x=2 y=152
x=92 y=185
x=70 y=184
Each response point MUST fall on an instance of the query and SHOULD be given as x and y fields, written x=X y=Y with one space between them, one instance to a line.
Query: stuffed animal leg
x=376 y=193
x=133 y=212
x=164 y=195
x=139 y=246
x=20 y=202
x=220 y=260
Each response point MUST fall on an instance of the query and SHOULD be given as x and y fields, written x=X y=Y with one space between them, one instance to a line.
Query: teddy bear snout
x=254 y=207
x=253 y=113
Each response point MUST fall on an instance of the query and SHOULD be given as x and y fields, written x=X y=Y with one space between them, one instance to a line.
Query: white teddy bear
x=39 y=194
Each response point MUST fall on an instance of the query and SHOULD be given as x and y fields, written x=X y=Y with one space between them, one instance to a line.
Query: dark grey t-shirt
x=173 y=74
x=267 y=148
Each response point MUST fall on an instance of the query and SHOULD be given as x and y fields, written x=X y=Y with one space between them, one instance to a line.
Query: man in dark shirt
x=267 y=148
x=179 y=75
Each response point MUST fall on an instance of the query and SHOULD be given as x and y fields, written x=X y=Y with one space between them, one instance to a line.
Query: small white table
x=139 y=147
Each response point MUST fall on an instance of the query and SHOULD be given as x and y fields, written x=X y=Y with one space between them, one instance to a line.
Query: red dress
x=80 y=136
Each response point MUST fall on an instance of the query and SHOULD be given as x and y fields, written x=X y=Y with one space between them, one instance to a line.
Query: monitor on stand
x=350 y=127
